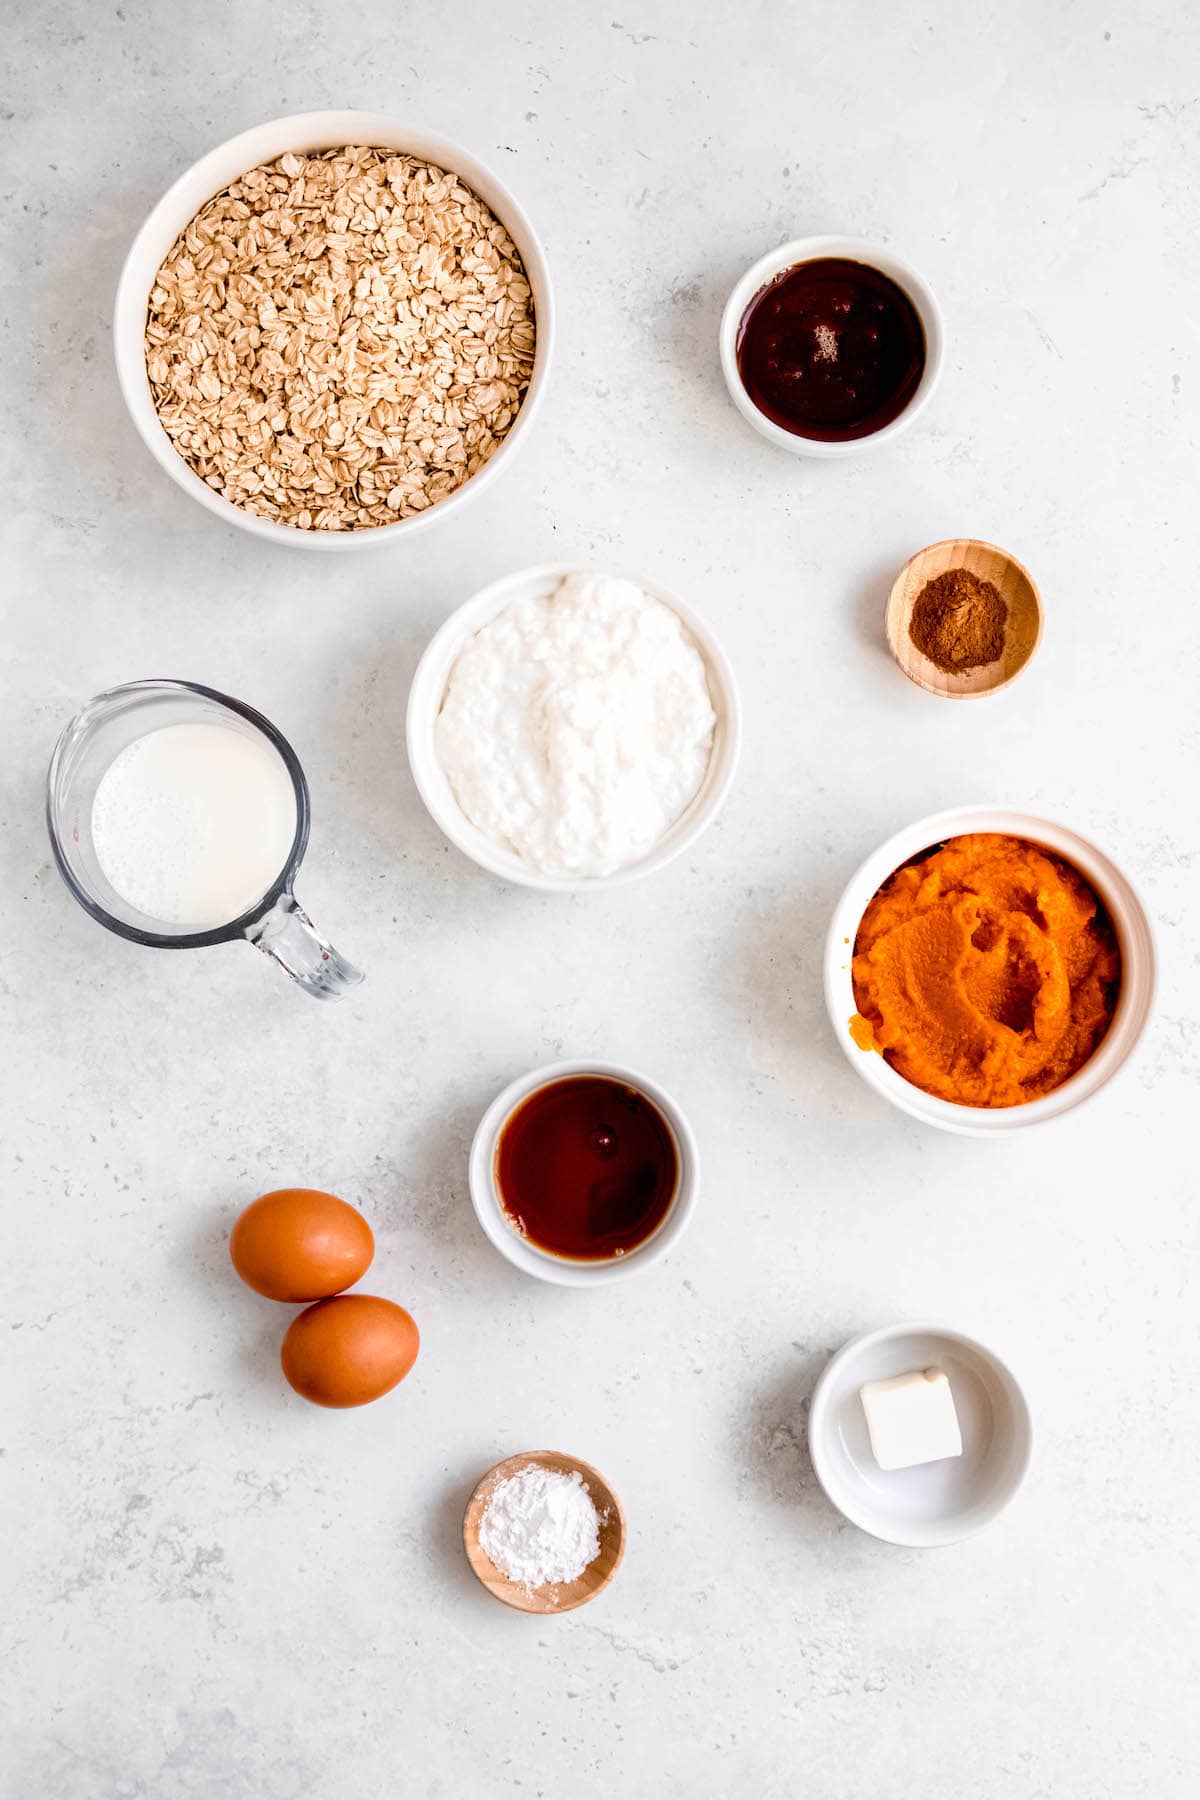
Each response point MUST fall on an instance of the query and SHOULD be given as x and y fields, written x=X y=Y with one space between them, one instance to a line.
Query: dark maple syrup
x=831 y=349
x=586 y=1168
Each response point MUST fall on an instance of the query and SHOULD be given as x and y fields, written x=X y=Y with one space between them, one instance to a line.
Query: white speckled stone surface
x=214 y=1591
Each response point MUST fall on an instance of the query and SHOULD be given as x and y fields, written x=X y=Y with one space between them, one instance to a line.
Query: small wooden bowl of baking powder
x=1022 y=630
x=566 y=1596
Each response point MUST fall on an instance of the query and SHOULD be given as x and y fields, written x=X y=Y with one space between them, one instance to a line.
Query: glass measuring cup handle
x=288 y=936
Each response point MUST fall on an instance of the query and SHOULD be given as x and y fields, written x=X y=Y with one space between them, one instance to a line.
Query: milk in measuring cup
x=192 y=824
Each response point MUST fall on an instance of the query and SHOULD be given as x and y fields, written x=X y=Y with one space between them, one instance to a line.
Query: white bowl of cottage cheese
x=571 y=730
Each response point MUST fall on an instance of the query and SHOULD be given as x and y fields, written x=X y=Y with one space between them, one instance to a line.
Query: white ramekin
x=425 y=702
x=541 y=1263
x=1135 y=936
x=304 y=132
x=934 y=1503
x=788 y=256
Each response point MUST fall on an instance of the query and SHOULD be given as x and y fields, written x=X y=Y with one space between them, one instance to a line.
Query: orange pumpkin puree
x=985 y=972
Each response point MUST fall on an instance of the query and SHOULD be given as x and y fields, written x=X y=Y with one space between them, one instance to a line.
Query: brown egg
x=346 y=1351
x=300 y=1244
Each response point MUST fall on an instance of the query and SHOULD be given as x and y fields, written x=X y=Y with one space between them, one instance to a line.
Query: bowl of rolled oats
x=333 y=329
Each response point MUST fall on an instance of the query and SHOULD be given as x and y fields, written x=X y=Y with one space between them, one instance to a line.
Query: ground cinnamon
x=958 y=622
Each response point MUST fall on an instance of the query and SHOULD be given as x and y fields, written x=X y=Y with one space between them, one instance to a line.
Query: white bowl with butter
x=638 y=694
x=952 y=1494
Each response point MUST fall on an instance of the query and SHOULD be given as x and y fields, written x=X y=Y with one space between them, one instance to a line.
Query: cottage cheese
x=577 y=726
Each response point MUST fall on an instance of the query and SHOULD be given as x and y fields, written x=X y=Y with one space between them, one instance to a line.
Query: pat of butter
x=911 y=1419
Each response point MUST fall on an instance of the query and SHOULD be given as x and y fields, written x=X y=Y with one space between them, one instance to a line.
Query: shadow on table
x=82 y=449
x=776 y=972
x=445 y=1535
x=776 y=1448
x=365 y=734
x=253 y=1326
x=869 y=604
x=376 y=793
x=422 y=1189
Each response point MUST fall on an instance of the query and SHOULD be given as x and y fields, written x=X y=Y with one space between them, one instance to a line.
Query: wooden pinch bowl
x=568 y=1595
x=1022 y=632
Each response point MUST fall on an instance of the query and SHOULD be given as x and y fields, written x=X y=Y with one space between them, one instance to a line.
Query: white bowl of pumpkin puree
x=987 y=969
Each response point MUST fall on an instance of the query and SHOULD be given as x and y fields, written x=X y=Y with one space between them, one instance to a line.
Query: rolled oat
x=340 y=340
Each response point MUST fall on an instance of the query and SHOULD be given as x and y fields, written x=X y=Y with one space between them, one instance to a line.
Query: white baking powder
x=539 y=1527
x=577 y=726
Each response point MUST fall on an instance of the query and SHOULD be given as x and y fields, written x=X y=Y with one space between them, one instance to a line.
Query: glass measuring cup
x=276 y=924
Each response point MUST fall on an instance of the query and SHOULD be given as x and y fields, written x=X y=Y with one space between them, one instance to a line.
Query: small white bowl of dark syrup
x=583 y=1172
x=831 y=345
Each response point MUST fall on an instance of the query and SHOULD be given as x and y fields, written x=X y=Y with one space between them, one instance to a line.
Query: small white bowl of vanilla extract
x=583 y=1172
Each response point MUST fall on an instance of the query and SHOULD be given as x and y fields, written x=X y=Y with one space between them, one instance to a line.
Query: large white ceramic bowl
x=1135 y=937
x=559 y=1269
x=936 y=1503
x=180 y=204
x=425 y=702
x=788 y=256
